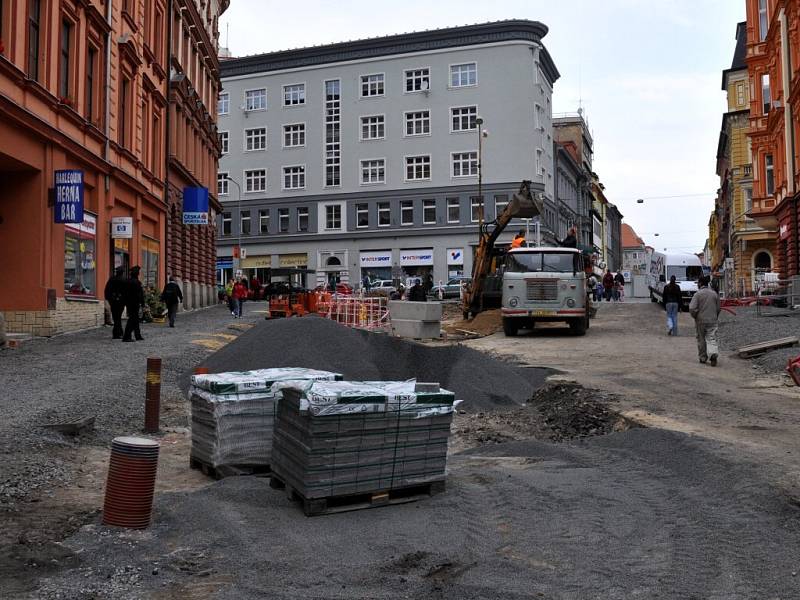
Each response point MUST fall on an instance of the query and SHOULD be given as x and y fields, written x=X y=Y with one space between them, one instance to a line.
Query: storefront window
x=150 y=251
x=80 y=260
x=122 y=250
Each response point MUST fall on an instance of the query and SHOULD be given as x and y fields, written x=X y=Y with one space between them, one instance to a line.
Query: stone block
x=416 y=311
x=420 y=330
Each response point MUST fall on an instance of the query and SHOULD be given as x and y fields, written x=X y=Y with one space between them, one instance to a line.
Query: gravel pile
x=749 y=328
x=484 y=383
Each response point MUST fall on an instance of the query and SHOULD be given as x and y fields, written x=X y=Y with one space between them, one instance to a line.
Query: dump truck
x=485 y=289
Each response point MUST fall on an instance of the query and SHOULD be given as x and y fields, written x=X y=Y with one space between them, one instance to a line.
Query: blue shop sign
x=195 y=206
x=224 y=263
x=69 y=196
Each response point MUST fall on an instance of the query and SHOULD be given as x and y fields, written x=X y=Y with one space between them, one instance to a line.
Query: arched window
x=333 y=262
x=762 y=261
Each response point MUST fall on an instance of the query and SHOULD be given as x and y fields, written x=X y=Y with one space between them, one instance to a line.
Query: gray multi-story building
x=571 y=131
x=363 y=157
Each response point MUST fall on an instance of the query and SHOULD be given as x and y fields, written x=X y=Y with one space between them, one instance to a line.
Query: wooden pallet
x=222 y=471
x=762 y=347
x=336 y=504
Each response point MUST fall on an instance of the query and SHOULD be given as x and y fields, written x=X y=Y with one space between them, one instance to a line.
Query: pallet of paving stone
x=233 y=414
x=222 y=471
x=350 y=502
x=336 y=439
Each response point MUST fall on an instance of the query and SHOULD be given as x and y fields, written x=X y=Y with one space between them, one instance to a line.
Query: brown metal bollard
x=152 y=403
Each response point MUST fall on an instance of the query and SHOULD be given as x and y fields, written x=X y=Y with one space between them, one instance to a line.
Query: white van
x=685 y=266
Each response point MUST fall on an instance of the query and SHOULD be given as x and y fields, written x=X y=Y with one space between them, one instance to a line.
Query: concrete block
x=423 y=330
x=415 y=311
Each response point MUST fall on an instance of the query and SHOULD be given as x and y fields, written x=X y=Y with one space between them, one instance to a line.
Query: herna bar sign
x=69 y=196
x=195 y=206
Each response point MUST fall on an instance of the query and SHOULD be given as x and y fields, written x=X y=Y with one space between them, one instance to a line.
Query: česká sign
x=195 y=206
x=69 y=196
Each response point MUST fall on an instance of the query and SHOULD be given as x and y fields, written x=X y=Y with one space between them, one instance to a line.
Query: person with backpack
x=115 y=296
x=171 y=296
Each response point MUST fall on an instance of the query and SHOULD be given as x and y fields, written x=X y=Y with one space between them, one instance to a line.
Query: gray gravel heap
x=484 y=383
x=747 y=327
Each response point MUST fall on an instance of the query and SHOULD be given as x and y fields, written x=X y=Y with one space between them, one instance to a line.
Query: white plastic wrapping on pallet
x=233 y=414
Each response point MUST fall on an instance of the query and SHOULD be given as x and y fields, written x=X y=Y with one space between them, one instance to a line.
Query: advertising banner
x=416 y=258
x=195 y=206
x=455 y=256
x=69 y=196
x=376 y=258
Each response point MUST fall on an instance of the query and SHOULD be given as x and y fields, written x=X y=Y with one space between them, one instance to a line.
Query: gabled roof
x=629 y=237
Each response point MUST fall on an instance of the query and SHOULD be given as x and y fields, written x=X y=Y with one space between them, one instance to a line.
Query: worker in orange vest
x=519 y=239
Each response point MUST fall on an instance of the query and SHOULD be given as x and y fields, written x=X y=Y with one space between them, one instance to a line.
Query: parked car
x=383 y=287
x=343 y=289
x=451 y=289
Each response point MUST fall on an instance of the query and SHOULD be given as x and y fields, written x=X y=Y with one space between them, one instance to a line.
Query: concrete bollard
x=152 y=403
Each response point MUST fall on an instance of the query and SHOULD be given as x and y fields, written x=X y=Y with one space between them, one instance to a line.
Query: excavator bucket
x=524 y=206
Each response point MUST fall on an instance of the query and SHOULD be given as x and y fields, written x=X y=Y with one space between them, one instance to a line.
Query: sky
x=648 y=74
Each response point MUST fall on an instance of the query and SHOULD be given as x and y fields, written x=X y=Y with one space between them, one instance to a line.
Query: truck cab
x=544 y=284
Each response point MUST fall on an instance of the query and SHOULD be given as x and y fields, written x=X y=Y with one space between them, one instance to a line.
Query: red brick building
x=84 y=85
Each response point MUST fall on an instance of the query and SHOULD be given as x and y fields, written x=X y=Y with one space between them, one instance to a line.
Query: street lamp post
x=237 y=259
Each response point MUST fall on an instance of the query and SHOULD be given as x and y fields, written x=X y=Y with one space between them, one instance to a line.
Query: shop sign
x=224 y=263
x=195 y=206
x=87 y=227
x=256 y=262
x=121 y=228
x=69 y=196
x=376 y=259
x=293 y=260
x=416 y=258
x=784 y=231
x=455 y=256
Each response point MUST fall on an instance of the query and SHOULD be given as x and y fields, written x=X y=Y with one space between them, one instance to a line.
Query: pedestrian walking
x=705 y=308
x=229 y=297
x=115 y=296
x=171 y=296
x=417 y=292
x=239 y=296
x=134 y=300
x=599 y=292
x=608 y=285
x=619 y=286
x=672 y=302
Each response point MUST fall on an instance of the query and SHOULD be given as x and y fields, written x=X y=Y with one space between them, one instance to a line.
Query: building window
x=741 y=98
x=539 y=166
x=373 y=127
x=302 y=218
x=373 y=170
x=222 y=183
x=418 y=122
x=763 y=22
x=80 y=272
x=223 y=104
x=372 y=85
x=500 y=204
x=255 y=139
x=418 y=80
x=263 y=220
x=463 y=118
x=34 y=24
x=362 y=215
x=226 y=223
x=766 y=97
x=224 y=138
x=333 y=216
x=150 y=252
x=475 y=208
x=245 y=223
x=406 y=212
x=770 y=174
x=418 y=167
x=91 y=85
x=294 y=95
x=384 y=214
x=283 y=220
x=465 y=164
x=453 y=210
x=294 y=177
x=64 y=67
x=124 y=104
x=429 y=212
x=294 y=135
x=333 y=145
x=255 y=180
x=463 y=75
x=255 y=99
x=748 y=201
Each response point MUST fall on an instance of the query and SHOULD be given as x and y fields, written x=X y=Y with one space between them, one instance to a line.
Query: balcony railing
x=747 y=170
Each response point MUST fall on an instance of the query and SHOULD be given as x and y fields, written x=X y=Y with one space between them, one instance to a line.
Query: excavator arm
x=523 y=205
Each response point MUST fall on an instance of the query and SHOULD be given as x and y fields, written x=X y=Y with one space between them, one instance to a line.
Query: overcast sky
x=648 y=74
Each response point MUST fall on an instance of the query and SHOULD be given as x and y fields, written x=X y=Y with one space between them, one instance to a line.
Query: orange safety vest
x=518 y=241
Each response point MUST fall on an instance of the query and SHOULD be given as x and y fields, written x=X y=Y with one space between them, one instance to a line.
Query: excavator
x=485 y=289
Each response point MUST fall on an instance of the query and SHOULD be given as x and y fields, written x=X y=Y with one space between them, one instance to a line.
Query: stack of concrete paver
x=233 y=414
x=342 y=438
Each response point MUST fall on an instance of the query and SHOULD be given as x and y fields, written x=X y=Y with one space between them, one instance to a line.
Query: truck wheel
x=510 y=327
x=578 y=326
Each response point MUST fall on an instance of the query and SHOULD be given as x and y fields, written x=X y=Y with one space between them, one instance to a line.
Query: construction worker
x=571 y=241
x=519 y=239
x=705 y=308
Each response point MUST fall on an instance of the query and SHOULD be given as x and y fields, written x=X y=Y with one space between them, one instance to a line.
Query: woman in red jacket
x=239 y=296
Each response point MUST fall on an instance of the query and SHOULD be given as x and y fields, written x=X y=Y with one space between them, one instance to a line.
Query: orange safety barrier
x=354 y=311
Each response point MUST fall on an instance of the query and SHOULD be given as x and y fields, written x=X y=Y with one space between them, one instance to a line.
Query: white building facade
x=362 y=157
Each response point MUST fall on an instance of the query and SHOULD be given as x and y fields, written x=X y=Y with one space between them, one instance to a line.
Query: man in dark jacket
x=134 y=299
x=115 y=296
x=571 y=241
x=171 y=296
x=672 y=302
x=608 y=285
x=417 y=292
